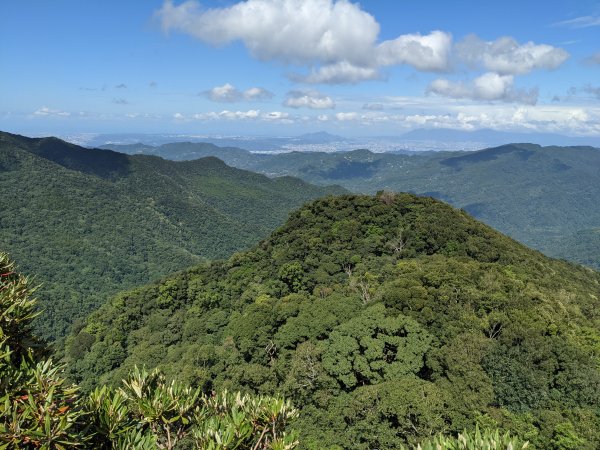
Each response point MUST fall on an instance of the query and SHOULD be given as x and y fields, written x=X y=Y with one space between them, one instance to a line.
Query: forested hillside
x=89 y=222
x=386 y=319
x=545 y=197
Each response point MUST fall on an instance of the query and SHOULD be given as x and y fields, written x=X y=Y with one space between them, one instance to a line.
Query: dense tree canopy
x=89 y=222
x=388 y=319
x=38 y=409
x=545 y=197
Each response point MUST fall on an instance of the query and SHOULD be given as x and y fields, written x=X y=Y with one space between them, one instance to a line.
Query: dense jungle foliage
x=38 y=409
x=545 y=197
x=386 y=319
x=90 y=223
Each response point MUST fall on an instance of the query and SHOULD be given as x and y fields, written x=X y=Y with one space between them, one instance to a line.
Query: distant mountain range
x=413 y=141
x=493 y=137
x=546 y=197
x=92 y=222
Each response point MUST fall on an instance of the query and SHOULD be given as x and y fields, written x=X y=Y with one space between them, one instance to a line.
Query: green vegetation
x=486 y=440
x=390 y=320
x=90 y=223
x=545 y=197
x=38 y=409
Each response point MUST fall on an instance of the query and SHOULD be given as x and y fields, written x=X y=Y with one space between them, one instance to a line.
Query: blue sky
x=284 y=67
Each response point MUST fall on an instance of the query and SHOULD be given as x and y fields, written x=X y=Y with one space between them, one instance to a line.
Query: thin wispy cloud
x=120 y=101
x=44 y=111
x=592 y=90
x=121 y=86
x=373 y=106
x=580 y=22
x=594 y=59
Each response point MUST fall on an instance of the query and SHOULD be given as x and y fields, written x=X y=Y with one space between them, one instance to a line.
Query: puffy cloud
x=292 y=31
x=338 y=41
x=178 y=116
x=256 y=93
x=308 y=99
x=336 y=37
x=347 y=116
x=541 y=118
x=44 y=111
x=277 y=116
x=341 y=72
x=230 y=94
x=507 y=57
x=252 y=114
x=225 y=93
x=428 y=53
x=488 y=87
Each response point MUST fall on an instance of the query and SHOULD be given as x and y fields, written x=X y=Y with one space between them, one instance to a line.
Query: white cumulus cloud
x=293 y=31
x=488 y=87
x=230 y=94
x=338 y=42
x=507 y=57
x=428 y=53
x=308 y=99
x=340 y=72
x=347 y=116
x=337 y=39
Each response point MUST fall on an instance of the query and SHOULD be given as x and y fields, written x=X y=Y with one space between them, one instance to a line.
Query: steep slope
x=386 y=319
x=92 y=222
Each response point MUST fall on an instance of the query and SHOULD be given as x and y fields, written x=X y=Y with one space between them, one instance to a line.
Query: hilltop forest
x=386 y=320
x=89 y=223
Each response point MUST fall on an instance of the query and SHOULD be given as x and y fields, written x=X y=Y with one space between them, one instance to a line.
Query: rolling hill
x=92 y=222
x=545 y=197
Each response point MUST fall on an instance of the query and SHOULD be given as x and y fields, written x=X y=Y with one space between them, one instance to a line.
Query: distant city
x=421 y=140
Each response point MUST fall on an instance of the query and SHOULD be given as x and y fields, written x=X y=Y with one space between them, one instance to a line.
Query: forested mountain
x=92 y=222
x=386 y=319
x=545 y=197
x=40 y=409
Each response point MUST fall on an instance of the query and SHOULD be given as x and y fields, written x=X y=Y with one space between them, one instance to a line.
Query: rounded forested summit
x=386 y=319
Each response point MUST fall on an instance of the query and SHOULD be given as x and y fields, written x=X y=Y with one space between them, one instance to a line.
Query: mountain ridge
x=537 y=194
x=91 y=222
